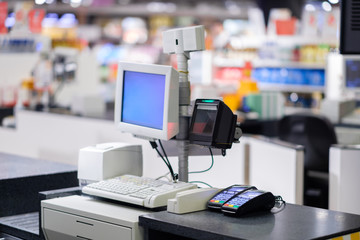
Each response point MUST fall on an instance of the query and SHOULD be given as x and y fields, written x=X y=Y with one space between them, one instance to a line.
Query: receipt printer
x=108 y=160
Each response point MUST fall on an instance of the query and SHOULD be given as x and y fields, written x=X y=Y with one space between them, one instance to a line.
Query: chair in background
x=316 y=134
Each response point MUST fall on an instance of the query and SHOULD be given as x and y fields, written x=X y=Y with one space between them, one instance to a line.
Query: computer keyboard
x=136 y=190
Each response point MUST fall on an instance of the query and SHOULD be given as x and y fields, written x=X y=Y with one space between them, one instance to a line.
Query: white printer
x=108 y=160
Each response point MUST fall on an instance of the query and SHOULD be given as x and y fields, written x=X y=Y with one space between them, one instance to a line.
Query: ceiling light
x=326 y=6
x=309 y=7
x=75 y=3
x=39 y=2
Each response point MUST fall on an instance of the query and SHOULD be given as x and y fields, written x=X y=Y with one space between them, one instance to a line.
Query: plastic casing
x=224 y=123
x=171 y=101
x=355 y=59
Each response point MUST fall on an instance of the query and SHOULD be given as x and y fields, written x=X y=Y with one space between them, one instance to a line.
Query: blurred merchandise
x=243 y=56
x=247 y=83
x=290 y=76
x=277 y=18
x=108 y=56
x=65 y=64
x=228 y=75
x=113 y=29
x=8 y=122
x=134 y=31
x=286 y=27
x=62 y=31
x=246 y=86
x=331 y=24
x=10 y=44
x=3 y=16
x=35 y=20
x=21 y=25
x=267 y=105
x=25 y=93
x=9 y=96
x=310 y=26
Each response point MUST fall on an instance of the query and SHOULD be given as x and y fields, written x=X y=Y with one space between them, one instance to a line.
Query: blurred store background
x=263 y=58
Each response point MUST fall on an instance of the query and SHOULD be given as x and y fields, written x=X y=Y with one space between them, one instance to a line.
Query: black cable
x=175 y=175
x=201 y=183
x=163 y=150
x=154 y=146
x=212 y=164
x=169 y=166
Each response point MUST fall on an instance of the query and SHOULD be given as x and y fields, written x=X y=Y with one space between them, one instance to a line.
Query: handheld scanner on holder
x=213 y=124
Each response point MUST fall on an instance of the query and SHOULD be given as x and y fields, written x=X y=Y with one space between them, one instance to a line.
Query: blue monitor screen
x=352 y=73
x=143 y=99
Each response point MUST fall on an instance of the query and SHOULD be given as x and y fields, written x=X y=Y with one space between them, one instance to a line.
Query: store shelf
x=287 y=64
x=290 y=88
x=224 y=62
x=144 y=9
x=288 y=41
x=231 y=86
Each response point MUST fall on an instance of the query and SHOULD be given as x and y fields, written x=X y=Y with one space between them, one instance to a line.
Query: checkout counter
x=82 y=217
x=314 y=223
x=95 y=218
x=21 y=180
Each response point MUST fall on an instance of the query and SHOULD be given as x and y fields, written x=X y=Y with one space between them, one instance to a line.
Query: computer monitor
x=351 y=71
x=147 y=100
x=349 y=27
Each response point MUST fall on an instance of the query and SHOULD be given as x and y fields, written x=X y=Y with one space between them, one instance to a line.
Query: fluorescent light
x=326 y=6
x=309 y=7
x=75 y=3
x=39 y=2
x=294 y=97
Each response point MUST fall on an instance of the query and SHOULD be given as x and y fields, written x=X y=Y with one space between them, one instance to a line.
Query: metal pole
x=184 y=101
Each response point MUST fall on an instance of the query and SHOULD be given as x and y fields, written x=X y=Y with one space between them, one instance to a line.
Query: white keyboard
x=136 y=190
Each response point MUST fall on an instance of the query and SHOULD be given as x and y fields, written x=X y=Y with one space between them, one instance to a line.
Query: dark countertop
x=294 y=222
x=13 y=166
x=21 y=180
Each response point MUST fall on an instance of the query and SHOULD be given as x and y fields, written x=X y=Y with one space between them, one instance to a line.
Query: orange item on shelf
x=247 y=86
x=27 y=86
x=35 y=19
x=3 y=16
x=232 y=101
x=286 y=27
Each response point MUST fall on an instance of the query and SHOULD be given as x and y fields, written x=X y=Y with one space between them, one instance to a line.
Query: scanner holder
x=213 y=125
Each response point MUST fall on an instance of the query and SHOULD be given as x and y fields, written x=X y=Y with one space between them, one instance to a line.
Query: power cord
x=166 y=176
x=166 y=160
x=174 y=175
x=212 y=164
x=202 y=171
x=163 y=150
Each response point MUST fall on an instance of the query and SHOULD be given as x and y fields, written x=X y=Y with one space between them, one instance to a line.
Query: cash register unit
x=146 y=105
